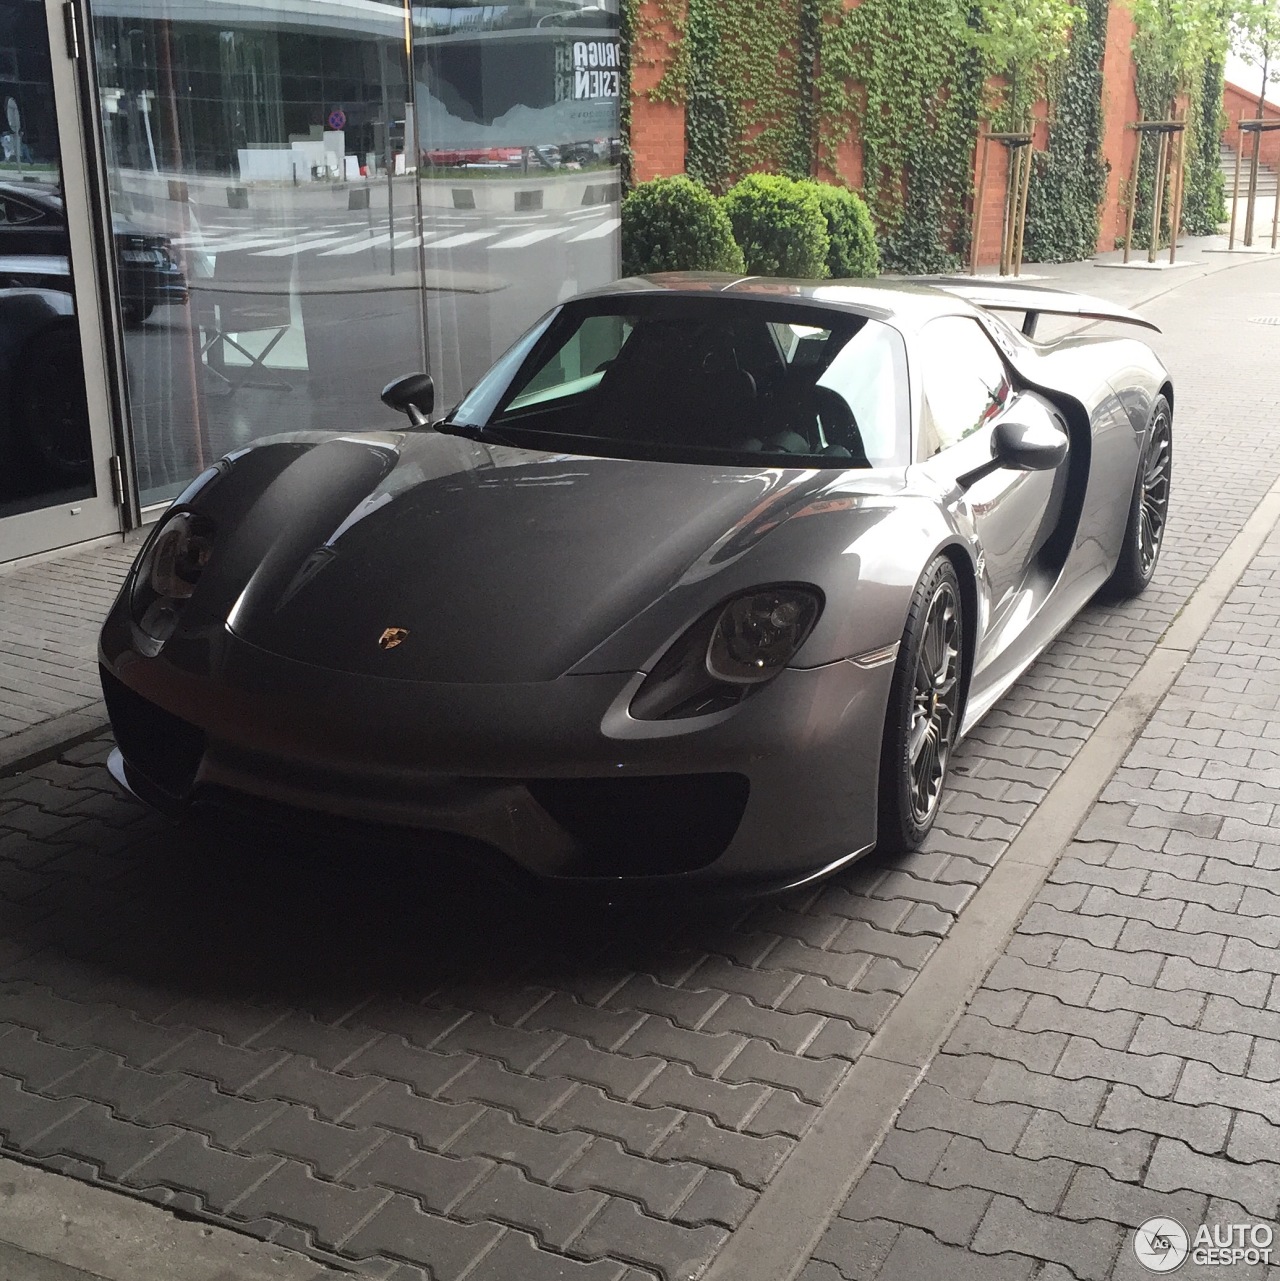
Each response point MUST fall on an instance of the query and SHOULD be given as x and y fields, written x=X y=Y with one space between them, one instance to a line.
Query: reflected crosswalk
x=349 y=239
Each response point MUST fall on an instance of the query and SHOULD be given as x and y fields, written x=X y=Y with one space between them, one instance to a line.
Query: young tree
x=1255 y=37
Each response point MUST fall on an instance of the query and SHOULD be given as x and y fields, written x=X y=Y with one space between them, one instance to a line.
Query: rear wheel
x=1149 y=509
x=924 y=710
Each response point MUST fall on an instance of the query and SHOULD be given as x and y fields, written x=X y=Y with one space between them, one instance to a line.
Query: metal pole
x=1157 y=196
x=1235 y=188
x=1029 y=149
x=388 y=156
x=1133 y=190
x=977 y=209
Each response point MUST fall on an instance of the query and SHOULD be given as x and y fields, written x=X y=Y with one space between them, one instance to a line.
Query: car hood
x=435 y=558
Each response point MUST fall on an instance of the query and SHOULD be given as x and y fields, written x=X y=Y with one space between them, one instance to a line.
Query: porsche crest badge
x=392 y=637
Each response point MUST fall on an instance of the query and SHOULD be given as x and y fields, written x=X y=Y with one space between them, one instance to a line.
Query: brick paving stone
x=660 y=1186
x=1010 y=1227
x=400 y=1228
x=517 y=1255
x=750 y=1159
x=1038 y=1184
x=951 y=1216
x=1076 y=1101
x=398 y=1164
x=1256 y=1186
x=855 y=1251
x=673 y=1249
x=554 y=1215
x=1203 y=1127
x=541 y=1153
x=1122 y=1155
x=916 y=1254
x=215 y=1177
x=1094 y=1194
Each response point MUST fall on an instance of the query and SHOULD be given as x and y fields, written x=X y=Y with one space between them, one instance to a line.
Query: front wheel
x=1148 y=510
x=924 y=710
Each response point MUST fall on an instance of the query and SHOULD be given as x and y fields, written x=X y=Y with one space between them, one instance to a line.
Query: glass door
x=55 y=435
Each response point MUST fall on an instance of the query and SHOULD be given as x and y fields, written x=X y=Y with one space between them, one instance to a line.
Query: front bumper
x=553 y=776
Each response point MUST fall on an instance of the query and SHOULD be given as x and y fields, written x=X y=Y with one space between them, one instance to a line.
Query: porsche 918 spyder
x=703 y=581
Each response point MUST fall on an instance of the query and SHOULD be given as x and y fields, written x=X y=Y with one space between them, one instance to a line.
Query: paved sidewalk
x=345 y=1056
x=1120 y=1063
x=50 y=612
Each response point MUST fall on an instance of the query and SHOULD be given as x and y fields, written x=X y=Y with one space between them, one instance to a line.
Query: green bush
x=779 y=225
x=853 y=251
x=672 y=224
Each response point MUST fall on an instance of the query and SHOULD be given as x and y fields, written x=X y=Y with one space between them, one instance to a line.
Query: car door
x=968 y=391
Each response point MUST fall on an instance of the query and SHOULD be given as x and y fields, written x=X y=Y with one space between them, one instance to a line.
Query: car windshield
x=701 y=379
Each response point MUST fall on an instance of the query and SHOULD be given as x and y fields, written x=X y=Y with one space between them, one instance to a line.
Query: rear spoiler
x=1032 y=300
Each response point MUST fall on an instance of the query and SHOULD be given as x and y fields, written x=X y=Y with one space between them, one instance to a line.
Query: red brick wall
x=657 y=128
x=1242 y=104
x=1119 y=110
x=657 y=131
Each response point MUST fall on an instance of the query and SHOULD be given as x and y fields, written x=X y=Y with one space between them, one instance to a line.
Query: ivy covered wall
x=894 y=93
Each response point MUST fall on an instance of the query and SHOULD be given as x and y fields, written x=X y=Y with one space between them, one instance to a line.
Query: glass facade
x=344 y=191
x=45 y=449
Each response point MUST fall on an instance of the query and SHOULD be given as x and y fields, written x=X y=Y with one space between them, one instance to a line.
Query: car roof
x=906 y=304
x=36 y=193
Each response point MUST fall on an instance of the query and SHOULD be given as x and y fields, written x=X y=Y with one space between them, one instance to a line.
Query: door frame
x=67 y=523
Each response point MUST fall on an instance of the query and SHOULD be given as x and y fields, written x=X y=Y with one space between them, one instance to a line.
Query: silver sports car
x=702 y=581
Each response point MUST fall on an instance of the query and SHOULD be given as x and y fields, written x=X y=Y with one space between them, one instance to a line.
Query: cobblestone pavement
x=50 y=612
x=1120 y=1061
x=341 y=1052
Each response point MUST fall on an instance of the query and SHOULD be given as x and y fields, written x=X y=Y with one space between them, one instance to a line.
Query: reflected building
x=349 y=189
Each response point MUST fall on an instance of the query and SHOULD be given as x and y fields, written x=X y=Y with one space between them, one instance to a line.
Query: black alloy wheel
x=1149 y=508
x=924 y=709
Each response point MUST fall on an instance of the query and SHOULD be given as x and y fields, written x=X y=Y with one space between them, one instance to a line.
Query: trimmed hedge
x=853 y=251
x=779 y=225
x=672 y=224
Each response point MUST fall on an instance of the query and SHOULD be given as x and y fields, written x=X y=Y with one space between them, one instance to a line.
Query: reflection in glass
x=337 y=219
x=260 y=138
x=518 y=146
x=45 y=451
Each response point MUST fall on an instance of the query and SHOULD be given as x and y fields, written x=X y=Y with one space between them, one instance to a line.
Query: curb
x=55 y=1228
x=48 y=740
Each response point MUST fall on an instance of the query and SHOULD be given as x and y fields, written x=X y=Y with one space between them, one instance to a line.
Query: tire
x=924 y=710
x=1148 y=509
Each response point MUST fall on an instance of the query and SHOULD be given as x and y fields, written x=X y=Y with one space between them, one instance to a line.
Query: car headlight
x=168 y=572
x=741 y=645
x=757 y=635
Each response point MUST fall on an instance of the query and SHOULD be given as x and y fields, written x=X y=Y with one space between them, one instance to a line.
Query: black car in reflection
x=33 y=224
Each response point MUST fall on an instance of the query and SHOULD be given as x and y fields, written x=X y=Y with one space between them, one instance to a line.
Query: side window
x=579 y=364
x=966 y=383
x=870 y=375
x=14 y=213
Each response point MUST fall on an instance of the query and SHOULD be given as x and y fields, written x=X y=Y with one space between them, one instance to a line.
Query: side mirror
x=415 y=395
x=1041 y=447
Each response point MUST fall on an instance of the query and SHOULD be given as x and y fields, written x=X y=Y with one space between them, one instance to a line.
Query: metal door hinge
x=71 y=24
x=116 y=464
